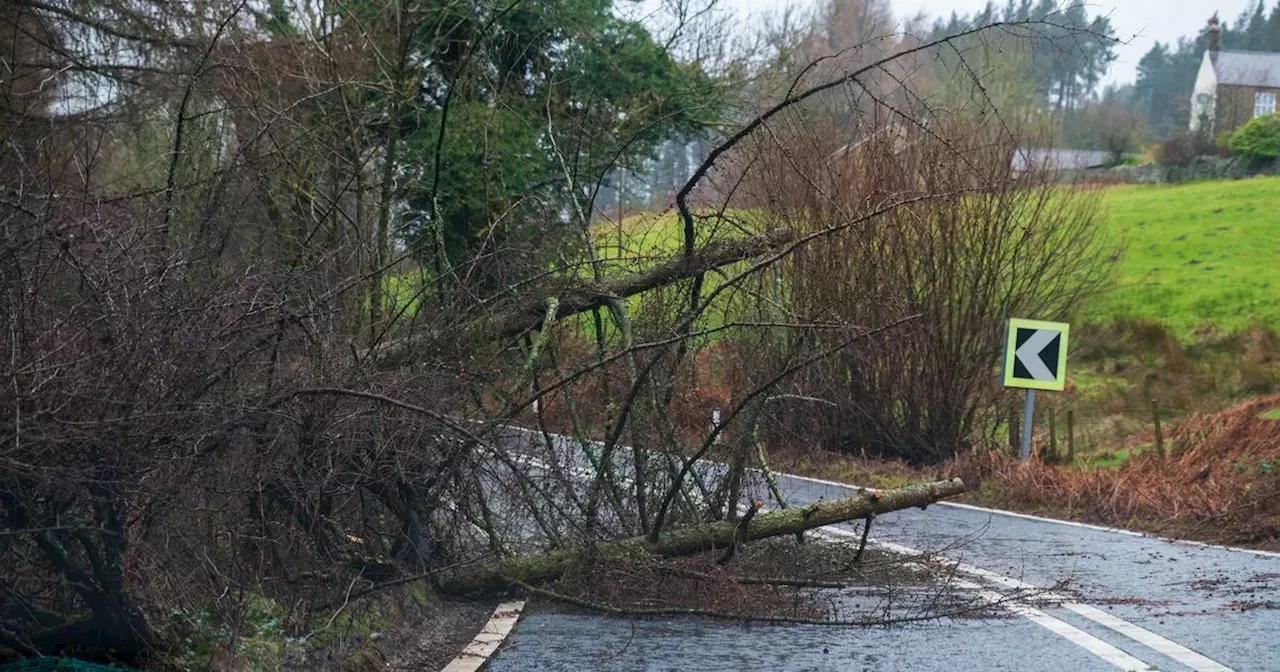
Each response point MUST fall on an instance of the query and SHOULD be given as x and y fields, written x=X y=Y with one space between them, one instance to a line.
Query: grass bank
x=1199 y=258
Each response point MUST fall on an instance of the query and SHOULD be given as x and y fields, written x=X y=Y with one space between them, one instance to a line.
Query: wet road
x=1123 y=601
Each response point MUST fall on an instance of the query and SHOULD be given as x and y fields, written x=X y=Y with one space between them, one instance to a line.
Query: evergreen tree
x=1254 y=27
x=1071 y=52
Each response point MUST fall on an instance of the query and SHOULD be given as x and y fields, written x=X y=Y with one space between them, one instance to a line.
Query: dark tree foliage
x=1112 y=123
x=537 y=98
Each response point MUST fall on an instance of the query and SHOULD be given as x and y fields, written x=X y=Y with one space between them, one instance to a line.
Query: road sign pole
x=1028 y=414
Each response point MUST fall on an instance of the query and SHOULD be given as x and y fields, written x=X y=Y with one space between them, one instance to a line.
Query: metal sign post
x=1035 y=358
x=1028 y=414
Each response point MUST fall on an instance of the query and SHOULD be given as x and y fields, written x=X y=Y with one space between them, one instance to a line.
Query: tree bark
x=500 y=575
x=529 y=314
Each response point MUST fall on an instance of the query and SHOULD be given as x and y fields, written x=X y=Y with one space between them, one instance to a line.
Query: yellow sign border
x=1010 y=346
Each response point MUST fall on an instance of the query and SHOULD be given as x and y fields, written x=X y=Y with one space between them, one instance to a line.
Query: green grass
x=641 y=242
x=639 y=236
x=645 y=240
x=1273 y=414
x=1196 y=255
x=1109 y=459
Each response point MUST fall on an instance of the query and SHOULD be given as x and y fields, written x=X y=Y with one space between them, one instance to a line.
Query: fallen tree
x=574 y=297
x=513 y=571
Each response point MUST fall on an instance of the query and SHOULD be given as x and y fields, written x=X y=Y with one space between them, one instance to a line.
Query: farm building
x=1232 y=87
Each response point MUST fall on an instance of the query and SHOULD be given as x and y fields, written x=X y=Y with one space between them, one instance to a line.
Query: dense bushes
x=1258 y=141
x=1182 y=149
x=939 y=276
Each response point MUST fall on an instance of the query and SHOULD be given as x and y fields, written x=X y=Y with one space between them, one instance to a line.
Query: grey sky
x=1140 y=23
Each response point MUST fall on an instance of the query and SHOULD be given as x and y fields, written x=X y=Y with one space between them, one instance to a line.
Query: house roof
x=1248 y=68
x=1032 y=158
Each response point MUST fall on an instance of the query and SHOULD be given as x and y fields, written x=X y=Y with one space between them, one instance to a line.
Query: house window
x=1264 y=102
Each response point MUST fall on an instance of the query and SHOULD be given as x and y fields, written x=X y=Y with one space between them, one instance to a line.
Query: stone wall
x=1199 y=169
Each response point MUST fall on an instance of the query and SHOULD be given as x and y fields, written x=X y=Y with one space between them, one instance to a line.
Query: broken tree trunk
x=499 y=575
x=513 y=319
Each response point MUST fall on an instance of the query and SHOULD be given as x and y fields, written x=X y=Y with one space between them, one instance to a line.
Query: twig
x=709 y=442
x=741 y=536
x=792 y=582
x=641 y=612
x=345 y=601
x=862 y=545
x=407 y=579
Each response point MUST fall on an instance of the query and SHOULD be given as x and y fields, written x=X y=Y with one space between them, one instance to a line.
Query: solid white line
x=1076 y=636
x=1103 y=528
x=1137 y=633
x=998 y=512
x=1071 y=633
x=487 y=641
x=1171 y=649
x=1182 y=654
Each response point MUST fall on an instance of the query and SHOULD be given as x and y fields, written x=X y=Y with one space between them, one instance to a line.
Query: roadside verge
x=486 y=642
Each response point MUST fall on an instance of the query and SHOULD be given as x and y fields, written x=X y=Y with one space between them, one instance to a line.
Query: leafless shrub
x=975 y=243
x=208 y=391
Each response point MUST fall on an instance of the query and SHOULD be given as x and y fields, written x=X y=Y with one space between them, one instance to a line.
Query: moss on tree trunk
x=497 y=576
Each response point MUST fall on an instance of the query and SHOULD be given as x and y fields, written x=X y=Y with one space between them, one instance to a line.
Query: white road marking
x=1055 y=521
x=1076 y=636
x=1137 y=633
x=1071 y=633
x=486 y=642
x=1167 y=647
x=1103 y=528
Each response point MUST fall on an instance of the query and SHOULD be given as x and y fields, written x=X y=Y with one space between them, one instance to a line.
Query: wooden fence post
x=1071 y=436
x=1015 y=429
x=1053 y=438
x=1155 y=415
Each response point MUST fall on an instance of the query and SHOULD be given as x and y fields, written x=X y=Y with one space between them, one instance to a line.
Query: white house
x=1232 y=87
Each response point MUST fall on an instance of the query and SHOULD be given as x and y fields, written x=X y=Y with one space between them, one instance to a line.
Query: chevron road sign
x=1035 y=355
x=1035 y=358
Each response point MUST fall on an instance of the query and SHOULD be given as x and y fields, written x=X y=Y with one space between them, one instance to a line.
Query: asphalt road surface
x=1124 y=601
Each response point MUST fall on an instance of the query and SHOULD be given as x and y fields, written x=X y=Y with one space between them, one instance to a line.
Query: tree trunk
x=497 y=576
x=518 y=318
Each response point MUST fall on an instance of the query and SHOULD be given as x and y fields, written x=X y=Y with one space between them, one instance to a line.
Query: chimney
x=1215 y=34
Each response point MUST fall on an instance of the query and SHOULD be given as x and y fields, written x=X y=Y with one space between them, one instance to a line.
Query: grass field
x=1196 y=255
x=1199 y=258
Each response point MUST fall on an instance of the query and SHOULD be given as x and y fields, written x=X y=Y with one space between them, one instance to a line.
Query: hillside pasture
x=1199 y=258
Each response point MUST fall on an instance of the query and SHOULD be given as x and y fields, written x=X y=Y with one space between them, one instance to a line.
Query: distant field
x=1196 y=255
x=647 y=239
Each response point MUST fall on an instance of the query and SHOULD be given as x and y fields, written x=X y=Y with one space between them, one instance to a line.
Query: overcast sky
x=1140 y=23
